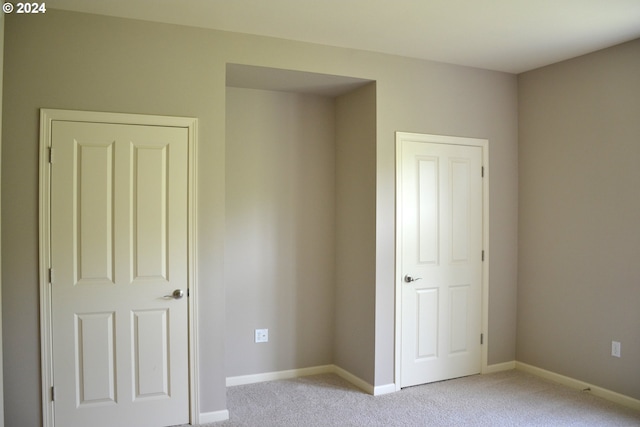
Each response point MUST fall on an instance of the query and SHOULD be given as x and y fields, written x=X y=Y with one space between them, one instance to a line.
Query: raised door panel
x=93 y=212
x=95 y=359
x=150 y=354
x=149 y=213
x=460 y=209
x=427 y=314
x=459 y=319
x=427 y=210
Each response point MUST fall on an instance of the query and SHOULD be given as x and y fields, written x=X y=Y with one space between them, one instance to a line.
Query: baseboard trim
x=279 y=375
x=384 y=389
x=356 y=381
x=604 y=393
x=499 y=367
x=314 y=370
x=212 y=417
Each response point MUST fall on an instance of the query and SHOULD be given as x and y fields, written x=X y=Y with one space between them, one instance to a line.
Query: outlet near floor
x=615 y=348
x=262 y=335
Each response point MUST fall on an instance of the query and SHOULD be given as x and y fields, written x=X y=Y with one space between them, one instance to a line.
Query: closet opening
x=300 y=223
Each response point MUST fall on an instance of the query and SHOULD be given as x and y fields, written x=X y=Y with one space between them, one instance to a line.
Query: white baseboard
x=499 y=367
x=315 y=370
x=279 y=375
x=613 y=396
x=379 y=390
x=212 y=417
x=356 y=381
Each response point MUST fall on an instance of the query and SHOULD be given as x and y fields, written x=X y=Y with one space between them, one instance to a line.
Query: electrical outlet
x=262 y=335
x=615 y=348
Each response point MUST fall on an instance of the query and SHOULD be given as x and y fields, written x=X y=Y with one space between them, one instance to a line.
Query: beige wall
x=579 y=273
x=300 y=230
x=87 y=62
x=354 y=348
x=440 y=99
x=280 y=230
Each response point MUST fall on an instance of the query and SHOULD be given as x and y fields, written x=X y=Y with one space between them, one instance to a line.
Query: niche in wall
x=287 y=196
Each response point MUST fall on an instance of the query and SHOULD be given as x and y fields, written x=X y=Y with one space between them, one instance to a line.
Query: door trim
x=450 y=140
x=47 y=117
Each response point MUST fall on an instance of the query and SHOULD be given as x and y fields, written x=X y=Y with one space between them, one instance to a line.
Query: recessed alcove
x=300 y=220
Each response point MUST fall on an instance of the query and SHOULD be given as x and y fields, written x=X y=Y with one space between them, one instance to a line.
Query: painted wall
x=579 y=275
x=280 y=230
x=441 y=99
x=87 y=62
x=354 y=347
x=300 y=230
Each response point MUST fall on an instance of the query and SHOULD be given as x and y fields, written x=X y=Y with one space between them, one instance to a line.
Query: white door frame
x=47 y=116
x=451 y=140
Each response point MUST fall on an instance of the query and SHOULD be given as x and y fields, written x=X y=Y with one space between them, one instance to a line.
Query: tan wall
x=356 y=232
x=579 y=273
x=280 y=230
x=87 y=62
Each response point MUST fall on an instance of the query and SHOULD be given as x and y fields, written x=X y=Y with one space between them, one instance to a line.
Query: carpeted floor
x=510 y=398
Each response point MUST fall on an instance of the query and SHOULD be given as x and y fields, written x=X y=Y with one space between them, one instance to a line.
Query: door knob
x=410 y=279
x=177 y=294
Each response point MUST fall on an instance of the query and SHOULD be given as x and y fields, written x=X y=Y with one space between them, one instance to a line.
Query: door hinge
x=51 y=275
x=482 y=255
x=53 y=393
x=481 y=339
x=51 y=155
x=482 y=171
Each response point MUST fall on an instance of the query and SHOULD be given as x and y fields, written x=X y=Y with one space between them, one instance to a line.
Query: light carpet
x=510 y=398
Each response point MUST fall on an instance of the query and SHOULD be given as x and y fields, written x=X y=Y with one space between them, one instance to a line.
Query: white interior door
x=118 y=248
x=441 y=261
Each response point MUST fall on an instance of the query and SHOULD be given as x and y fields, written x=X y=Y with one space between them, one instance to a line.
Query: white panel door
x=441 y=265
x=118 y=248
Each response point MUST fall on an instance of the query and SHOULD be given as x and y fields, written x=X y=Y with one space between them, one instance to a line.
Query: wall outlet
x=615 y=348
x=262 y=335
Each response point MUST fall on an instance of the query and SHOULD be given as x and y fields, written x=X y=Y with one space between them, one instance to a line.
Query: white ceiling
x=505 y=35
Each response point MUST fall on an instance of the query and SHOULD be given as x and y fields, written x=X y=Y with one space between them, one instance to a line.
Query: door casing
x=452 y=140
x=47 y=116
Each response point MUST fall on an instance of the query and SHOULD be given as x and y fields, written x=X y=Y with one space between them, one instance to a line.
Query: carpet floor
x=510 y=398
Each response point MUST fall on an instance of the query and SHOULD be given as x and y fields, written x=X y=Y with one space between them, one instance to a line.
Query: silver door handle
x=177 y=294
x=410 y=279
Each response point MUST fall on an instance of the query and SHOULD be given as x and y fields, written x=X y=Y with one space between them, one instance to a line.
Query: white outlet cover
x=615 y=348
x=262 y=335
